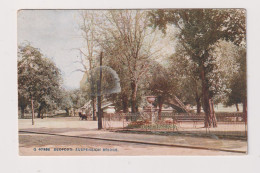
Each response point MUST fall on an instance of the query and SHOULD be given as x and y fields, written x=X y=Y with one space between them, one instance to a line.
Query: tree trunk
x=42 y=115
x=245 y=110
x=94 y=102
x=208 y=106
x=198 y=103
x=212 y=114
x=39 y=112
x=237 y=107
x=22 y=111
x=198 y=107
x=125 y=103
x=32 y=111
x=67 y=111
x=133 y=96
x=74 y=113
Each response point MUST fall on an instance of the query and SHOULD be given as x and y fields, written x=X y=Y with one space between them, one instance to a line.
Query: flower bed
x=147 y=125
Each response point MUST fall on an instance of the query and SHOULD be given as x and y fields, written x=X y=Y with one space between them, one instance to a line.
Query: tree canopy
x=38 y=79
x=198 y=31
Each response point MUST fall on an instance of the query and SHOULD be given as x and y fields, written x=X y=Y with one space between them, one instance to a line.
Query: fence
x=228 y=124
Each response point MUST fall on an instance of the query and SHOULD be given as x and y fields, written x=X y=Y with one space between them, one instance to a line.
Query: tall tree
x=186 y=76
x=198 y=31
x=162 y=84
x=127 y=38
x=38 y=79
x=65 y=101
x=23 y=100
x=238 y=82
x=88 y=26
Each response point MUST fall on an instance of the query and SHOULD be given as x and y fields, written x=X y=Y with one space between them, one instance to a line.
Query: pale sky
x=56 y=33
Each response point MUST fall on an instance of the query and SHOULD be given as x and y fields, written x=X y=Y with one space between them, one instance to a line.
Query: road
x=51 y=145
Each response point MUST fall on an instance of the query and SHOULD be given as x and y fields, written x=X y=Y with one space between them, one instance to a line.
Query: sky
x=57 y=34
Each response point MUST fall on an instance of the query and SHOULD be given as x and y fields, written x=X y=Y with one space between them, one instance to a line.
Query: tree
x=39 y=79
x=66 y=101
x=238 y=84
x=185 y=71
x=127 y=38
x=161 y=84
x=198 y=31
x=122 y=99
x=78 y=98
x=23 y=101
x=89 y=33
x=188 y=76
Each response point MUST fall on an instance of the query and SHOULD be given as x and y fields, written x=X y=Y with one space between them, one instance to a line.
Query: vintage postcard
x=132 y=82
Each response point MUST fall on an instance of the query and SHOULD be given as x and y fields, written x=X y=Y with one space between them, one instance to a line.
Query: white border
x=11 y=162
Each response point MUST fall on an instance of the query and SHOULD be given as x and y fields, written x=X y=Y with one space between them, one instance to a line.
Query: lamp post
x=32 y=111
x=99 y=94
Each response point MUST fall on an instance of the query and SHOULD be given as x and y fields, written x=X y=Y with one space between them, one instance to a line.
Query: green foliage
x=238 y=83
x=121 y=100
x=78 y=98
x=224 y=68
x=38 y=79
x=161 y=82
x=145 y=124
x=186 y=74
x=199 y=31
x=200 y=28
x=66 y=101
